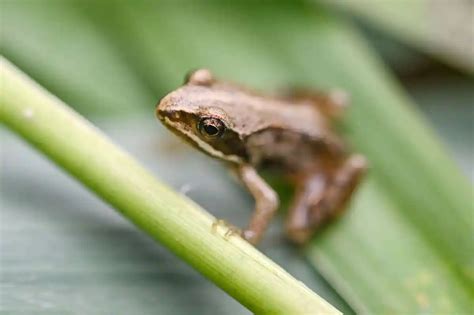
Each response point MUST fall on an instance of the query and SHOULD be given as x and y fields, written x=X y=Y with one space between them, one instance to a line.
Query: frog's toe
x=250 y=236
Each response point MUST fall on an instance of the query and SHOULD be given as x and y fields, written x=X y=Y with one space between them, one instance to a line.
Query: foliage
x=405 y=246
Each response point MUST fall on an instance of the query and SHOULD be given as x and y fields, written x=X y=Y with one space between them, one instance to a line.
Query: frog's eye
x=211 y=127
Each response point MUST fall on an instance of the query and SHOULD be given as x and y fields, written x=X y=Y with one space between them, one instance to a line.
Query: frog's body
x=265 y=127
x=251 y=131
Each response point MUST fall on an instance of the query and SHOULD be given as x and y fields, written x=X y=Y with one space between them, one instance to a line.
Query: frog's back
x=293 y=136
x=253 y=111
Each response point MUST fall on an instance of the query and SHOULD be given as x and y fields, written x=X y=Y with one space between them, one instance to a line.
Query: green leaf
x=61 y=49
x=441 y=28
x=406 y=244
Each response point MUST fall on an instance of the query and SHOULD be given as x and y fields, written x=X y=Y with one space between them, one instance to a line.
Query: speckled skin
x=293 y=135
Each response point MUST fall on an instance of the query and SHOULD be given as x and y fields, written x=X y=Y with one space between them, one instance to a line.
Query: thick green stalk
x=186 y=229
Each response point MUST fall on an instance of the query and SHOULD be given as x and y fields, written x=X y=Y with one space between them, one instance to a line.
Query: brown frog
x=291 y=134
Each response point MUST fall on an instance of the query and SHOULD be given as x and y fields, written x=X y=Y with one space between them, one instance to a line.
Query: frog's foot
x=231 y=229
x=250 y=236
x=216 y=223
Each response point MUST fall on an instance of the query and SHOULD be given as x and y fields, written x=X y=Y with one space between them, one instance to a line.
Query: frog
x=293 y=134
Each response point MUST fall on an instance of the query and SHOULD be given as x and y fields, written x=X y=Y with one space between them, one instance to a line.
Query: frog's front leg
x=266 y=203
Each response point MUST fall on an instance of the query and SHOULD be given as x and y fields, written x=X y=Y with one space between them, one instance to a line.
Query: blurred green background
x=405 y=247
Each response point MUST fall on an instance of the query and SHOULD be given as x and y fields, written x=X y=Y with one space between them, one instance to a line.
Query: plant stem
x=175 y=221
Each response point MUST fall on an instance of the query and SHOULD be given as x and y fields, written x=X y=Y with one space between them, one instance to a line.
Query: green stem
x=175 y=221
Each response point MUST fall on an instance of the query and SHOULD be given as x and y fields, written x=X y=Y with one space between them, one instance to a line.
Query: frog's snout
x=167 y=112
x=163 y=109
x=159 y=112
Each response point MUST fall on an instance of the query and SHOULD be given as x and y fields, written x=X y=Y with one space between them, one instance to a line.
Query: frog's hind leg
x=322 y=197
x=309 y=195
x=343 y=184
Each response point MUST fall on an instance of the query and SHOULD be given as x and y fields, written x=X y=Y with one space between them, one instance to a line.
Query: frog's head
x=199 y=114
